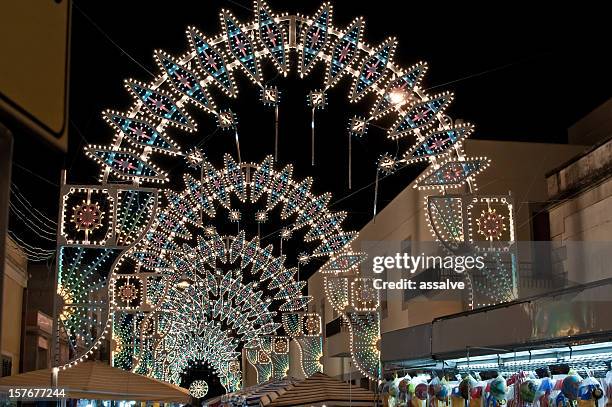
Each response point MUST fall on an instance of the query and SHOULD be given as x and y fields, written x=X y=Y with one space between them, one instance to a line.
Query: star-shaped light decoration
x=261 y=216
x=128 y=292
x=285 y=233
x=387 y=164
x=226 y=120
x=303 y=258
x=317 y=99
x=358 y=126
x=198 y=389
x=209 y=230
x=491 y=224
x=194 y=157
x=87 y=216
x=270 y=95
x=234 y=215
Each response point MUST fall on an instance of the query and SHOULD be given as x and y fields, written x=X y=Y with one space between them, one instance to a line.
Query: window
x=7 y=365
x=323 y=316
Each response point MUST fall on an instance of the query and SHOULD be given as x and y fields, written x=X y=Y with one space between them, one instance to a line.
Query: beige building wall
x=581 y=215
x=517 y=167
x=15 y=281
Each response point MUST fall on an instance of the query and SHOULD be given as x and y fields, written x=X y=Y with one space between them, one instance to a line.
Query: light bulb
x=397 y=97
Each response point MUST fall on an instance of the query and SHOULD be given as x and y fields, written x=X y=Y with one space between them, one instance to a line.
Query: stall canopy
x=98 y=381
x=320 y=389
x=316 y=390
x=254 y=395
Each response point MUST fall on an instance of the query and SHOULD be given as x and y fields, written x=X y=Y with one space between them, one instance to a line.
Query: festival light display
x=168 y=286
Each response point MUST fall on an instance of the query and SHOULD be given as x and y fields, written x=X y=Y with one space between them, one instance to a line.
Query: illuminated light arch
x=142 y=131
x=181 y=269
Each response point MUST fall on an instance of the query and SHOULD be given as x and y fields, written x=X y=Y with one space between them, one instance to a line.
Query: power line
x=498 y=68
x=21 y=167
x=27 y=205
x=97 y=27
x=240 y=5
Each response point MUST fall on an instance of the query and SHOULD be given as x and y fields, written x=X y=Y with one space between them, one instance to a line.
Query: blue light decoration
x=236 y=247
x=273 y=268
x=215 y=184
x=185 y=81
x=292 y=323
x=297 y=198
x=124 y=338
x=160 y=104
x=324 y=226
x=295 y=304
x=421 y=115
x=250 y=250
x=140 y=133
x=170 y=224
x=160 y=241
x=283 y=277
x=315 y=38
x=262 y=258
x=151 y=260
x=197 y=195
x=271 y=36
x=264 y=371
x=211 y=62
x=452 y=173
x=344 y=53
x=312 y=211
x=334 y=243
x=278 y=186
x=262 y=177
x=311 y=353
x=234 y=177
x=438 y=143
x=183 y=207
x=445 y=217
x=290 y=290
x=205 y=252
x=399 y=91
x=365 y=341
x=82 y=290
x=343 y=262
x=373 y=69
x=125 y=164
x=134 y=210
x=219 y=247
x=240 y=46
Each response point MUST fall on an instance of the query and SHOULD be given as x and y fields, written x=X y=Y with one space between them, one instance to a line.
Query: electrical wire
x=21 y=167
x=32 y=226
x=24 y=201
x=97 y=27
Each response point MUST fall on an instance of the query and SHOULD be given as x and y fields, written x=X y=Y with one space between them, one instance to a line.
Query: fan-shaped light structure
x=160 y=274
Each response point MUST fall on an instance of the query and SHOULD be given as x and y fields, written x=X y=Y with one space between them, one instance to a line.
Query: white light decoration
x=198 y=389
x=161 y=242
x=179 y=289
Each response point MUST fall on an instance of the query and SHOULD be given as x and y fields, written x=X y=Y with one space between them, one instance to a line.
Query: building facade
x=518 y=169
x=13 y=300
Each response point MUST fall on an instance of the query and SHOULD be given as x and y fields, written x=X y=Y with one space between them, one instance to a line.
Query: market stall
x=565 y=376
x=316 y=390
x=94 y=380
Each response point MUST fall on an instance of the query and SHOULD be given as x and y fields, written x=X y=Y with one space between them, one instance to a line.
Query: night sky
x=517 y=74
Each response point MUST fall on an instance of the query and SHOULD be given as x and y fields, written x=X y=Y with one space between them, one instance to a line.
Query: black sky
x=517 y=73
